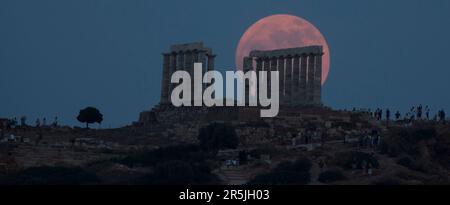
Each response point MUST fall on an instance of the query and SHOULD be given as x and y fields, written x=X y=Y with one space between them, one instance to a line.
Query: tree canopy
x=90 y=115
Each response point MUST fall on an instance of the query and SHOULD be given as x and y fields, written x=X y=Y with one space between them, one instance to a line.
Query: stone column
x=266 y=67
x=209 y=67
x=211 y=59
x=288 y=81
x=196 y=56
x=310 y=79
x=303 y=68
x=259 y=67
x=247 y=66
x=189 y=63
x=165 y=79
x=180 y=61
x=172 y=69
x=281 y=72
x=273 y=67
x=258 y=64
x=189 y=67
x=296 y=81
x=318 y=79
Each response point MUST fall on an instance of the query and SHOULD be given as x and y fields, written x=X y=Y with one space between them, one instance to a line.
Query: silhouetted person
x=397 y=115
x=2 y=131
x=419 y=112
x=388 y=114
x=380 y=114
x=427 y=112
x=55 y=122
x=411 y=118
x=38 y=122
x=441 y=115
x=13 y=122
x=23 y=121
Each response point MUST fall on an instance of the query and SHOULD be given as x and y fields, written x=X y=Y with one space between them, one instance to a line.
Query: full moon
x=282 y=31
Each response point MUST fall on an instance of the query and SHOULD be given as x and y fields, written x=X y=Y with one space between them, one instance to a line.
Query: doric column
x=318 y=79
x=273 y=67
x=247 y=66
x=296 y=81
x=180 y=61
x=211 y=62
x=165 y=79
x=189 y=67
x=258 y=64
x=273 y=64
x=209 y=67
x=259 y=67
x=303 y=69
x=310 y=79
x=281 y=69
x=189 y=63
x=196 y=56
x=266 y=66
x=288 y=81
x=172 y=69
x=199 y=57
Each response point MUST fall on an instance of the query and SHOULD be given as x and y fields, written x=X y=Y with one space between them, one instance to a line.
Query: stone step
x=234 y=176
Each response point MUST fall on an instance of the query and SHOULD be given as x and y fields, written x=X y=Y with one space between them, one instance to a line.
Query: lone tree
x=90 y=115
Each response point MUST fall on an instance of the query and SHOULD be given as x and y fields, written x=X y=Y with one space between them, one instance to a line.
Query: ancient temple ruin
x=183 y=57
x=300 y=73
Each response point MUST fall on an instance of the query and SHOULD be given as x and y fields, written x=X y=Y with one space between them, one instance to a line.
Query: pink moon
x=282 y=31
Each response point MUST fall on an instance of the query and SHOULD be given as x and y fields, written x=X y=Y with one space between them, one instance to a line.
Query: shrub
x=151 y=158
x=300 y=165
x=331 y=175
x=177 y=172
x=406 y=162
x=406 y=140
x=346 y=159
x=286 y=173
x=175 y=165
x=217 y=136
x=419 y=165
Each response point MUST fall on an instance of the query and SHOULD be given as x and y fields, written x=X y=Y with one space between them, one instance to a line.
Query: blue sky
x=58 y=56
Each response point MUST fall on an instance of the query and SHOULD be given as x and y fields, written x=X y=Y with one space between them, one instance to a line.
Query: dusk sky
x=58 y=56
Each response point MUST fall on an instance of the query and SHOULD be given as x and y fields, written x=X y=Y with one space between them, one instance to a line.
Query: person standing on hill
x=397 y=115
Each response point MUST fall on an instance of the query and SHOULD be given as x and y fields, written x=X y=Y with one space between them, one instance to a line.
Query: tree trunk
x=87 y=125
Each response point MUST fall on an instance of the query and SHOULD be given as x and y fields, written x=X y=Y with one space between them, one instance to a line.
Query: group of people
x=44 y=122
x=415 y=113
x=367 y=167
x=232 y=163
x=13 y=123
x=367 y=138
x=369 y=141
